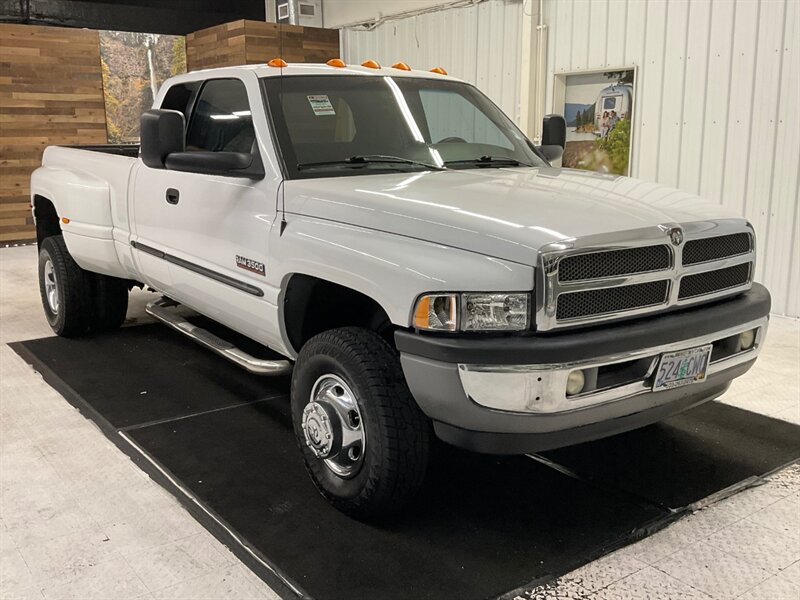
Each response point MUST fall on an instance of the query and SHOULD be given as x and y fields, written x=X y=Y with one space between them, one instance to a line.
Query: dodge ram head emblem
x=676 y=236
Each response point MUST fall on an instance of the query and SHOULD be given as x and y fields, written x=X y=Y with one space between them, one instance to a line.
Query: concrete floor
x=79 y=520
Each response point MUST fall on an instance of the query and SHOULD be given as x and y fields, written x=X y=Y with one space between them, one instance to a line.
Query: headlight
x=472 y=312
x=495 y=312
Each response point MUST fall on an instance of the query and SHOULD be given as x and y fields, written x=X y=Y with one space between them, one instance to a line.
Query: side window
x=179 y=96
x=451 y=115
x=221 y=121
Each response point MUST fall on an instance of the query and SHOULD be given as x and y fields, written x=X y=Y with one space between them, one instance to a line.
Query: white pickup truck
x=419 y=265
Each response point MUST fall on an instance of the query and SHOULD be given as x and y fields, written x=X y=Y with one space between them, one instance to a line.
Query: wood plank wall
x=252 y=42
x=51 y=92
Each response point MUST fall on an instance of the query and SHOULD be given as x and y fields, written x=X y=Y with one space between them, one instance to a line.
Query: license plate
x=682 y=368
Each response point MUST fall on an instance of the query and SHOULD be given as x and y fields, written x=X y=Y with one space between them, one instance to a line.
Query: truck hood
x=504 y=213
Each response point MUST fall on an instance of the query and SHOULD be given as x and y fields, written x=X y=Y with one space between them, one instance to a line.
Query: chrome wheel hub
x=50 y=287
x=332 y=426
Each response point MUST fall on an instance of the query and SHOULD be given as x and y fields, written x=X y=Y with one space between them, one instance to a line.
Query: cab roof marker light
x=438 y=70
x=401 y=66
x=336 y=62
x=277 y=62
x=371 y=64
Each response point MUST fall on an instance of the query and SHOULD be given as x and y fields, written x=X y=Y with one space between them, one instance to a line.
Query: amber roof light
x=438 y=70
x=370 y=64
x=402 y=66
x=277 y=62
x=336 y=62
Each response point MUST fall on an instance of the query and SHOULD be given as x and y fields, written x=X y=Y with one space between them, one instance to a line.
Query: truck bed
x=129 y=150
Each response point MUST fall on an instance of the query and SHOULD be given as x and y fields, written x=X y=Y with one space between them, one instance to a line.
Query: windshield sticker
x=321 y=105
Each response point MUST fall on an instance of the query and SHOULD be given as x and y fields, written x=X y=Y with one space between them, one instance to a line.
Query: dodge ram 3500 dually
x=417 y=263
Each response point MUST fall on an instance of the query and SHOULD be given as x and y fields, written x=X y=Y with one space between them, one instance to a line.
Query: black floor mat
x=482 y=526
x=688 y=457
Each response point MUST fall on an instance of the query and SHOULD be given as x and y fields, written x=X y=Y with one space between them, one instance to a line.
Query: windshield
x=333 y=125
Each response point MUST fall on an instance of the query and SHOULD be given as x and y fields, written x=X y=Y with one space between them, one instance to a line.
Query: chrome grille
x=715 y=248
x=574 y=305
x=709 y=282
x=612 y=263
x=612 y=276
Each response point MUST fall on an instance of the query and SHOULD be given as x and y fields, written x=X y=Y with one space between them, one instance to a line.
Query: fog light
x=575 y=382
x=747 y=339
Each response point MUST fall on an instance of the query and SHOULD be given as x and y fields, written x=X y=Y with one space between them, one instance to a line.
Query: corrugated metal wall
x=717 y=102
x=480 y=44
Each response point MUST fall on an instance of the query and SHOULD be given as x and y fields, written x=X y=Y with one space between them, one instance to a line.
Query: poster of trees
x=598 y=108
x=134 y=67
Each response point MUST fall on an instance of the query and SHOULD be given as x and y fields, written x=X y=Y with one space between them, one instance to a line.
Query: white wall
x=716 y=108
x=479 y=43
x=337 y=13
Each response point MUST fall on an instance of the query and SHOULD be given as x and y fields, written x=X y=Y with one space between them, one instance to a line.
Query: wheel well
x=46 y=219
x=313 y=305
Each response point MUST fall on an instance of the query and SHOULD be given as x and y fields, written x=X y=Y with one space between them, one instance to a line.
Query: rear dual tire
x=76 y=301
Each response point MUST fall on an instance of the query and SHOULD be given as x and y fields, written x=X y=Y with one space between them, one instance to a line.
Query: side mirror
x=232 y=164
x=161 y=134
x=551 y=152
x=554 y=131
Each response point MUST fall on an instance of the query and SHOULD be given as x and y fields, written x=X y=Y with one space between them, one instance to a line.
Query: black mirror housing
x=554 y=131
x=231 y=164
x=161 y=134
x=551 y=152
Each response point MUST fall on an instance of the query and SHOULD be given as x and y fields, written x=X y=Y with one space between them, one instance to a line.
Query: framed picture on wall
x=598 y=108
x=134 y=66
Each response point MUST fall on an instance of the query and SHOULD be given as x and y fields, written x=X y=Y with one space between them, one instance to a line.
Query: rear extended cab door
x=203 y=239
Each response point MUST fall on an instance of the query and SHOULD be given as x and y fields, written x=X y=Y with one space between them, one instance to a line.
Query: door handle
x=173 y=196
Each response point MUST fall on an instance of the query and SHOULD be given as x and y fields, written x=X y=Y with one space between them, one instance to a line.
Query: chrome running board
x=160 y=309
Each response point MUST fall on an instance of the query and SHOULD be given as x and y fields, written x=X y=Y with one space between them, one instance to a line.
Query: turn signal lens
x=438 y=70
x=747 y=339
x=575 y=382
x=277 y=62
x=336 y=62
x=64 y=220
x=370 y=64
x=437 y=312
x=402 y=66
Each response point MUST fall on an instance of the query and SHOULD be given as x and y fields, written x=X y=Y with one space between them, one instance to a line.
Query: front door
x=202 y=239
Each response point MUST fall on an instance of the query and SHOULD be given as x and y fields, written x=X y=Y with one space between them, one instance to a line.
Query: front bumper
x=507 y=395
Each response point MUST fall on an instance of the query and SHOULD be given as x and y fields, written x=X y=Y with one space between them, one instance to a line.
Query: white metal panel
x=779 y=246
x=690 y=146
x=479 y=44
x=763 y=128
x=671 y=128
x=718 y=83
x=718 y=98
x=650 y=89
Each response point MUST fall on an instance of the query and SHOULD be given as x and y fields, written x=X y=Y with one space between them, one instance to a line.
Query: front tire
x=364 y=440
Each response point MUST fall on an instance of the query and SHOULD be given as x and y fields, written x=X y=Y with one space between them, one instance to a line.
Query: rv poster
x=598 y=109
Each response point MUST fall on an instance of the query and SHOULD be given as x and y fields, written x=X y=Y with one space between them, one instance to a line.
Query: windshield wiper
x=488 y=161
x=358 y=161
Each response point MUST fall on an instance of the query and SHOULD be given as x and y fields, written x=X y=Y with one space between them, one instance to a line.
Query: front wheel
x=364 y=439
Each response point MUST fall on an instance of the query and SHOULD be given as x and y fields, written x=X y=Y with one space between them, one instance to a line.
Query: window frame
x=287 y=158
x=256 y=168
